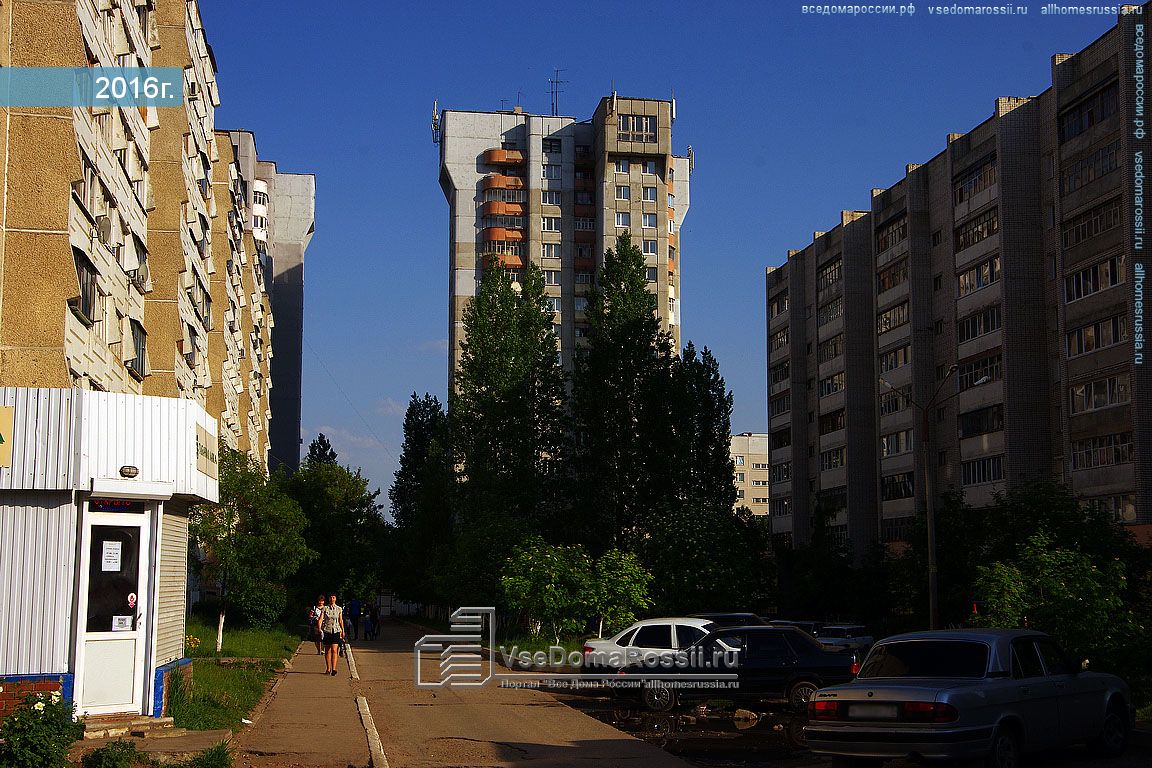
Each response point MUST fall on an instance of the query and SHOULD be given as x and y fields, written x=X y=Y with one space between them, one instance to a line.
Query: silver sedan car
x=991 y=694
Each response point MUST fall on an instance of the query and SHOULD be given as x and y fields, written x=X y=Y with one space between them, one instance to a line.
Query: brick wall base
x=13 y=688
x=163 y=684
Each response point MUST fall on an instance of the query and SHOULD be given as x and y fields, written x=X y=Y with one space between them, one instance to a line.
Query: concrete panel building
x=750 y=459
x=556 y=192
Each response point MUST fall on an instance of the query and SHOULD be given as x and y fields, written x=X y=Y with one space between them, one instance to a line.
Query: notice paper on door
x=110 y=558
x=121 y=623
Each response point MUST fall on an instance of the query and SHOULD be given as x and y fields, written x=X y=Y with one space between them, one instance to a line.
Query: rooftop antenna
x=555 y=90
x=519 y=96
x=613 y=97
x=436 y=121
x=503 y=105
x=673 y=105
x=691 y=159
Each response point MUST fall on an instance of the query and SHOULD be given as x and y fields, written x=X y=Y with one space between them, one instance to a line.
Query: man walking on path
x=354 y=617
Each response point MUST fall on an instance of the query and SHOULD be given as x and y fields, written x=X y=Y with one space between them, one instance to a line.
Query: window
x=937 y=237
x=937 y=282
x=892 y=318
x=259 y=198
x=779 y=374
x=832 y=422
x=549 y=197
x=1092 y=222
x=260 y=222
x=649 y=220
x=892 y=232
x=1025 y=659
x=979 y=323
x=585 y=225
x=830 y=349
x=550 y=250
x=778 y=340
x=1102 y=451
x=759 y=483
x=650 y=167
x=508 y=222
x=781 y=472
x=892 y=276
x=623 y=191
x=898 y=486
x=551 y=277
x=506 y=195
x=1096 y=278
x=649 y=194
x=650 y=274
x=622 y=166
x=551 y=145
x=1098 y=335
x=1087 y=169
x=780 y=507
x=830 y=311
x=832 y=384
x=671 y=200
x=894 y=402
x=832 y=458
x=895 y=443
x=980 y=371
x=550 y=171
x=653 y=636
x=581 y=304
x=981 y=421
x=1093 y=109
x=986 y=470
x=739 y=461
x=1120 y=508
x=583 y=278
x=623 y=219
x=779 y=405
x=583 y=198
x=739 y=477
x=979 y=276
x=895 y=358
x=759 y=499
x=896 y=529
x=739 y=493
x=637 y=128
x=671 y=226
x=778 y=305
x=760 y=466
x=829 y=275
x=137 y=364
x=781 y=438
x=649 y=247
x=550 y=224
x=977 y=229
x=1101 y=393
x=975 y=180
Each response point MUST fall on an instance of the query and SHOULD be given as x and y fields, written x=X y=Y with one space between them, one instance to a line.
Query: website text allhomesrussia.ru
x=558 y=656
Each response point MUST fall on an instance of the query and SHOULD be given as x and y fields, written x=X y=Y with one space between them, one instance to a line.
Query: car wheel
x=800 y=692
x=1113 y=738
x=1005 y=749
x=658 y=698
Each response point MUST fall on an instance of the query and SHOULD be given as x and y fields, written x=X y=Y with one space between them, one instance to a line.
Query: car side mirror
x=1084 y=665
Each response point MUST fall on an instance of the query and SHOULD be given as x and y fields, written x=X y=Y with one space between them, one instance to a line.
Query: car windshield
x=927 y=658
x=834 y=632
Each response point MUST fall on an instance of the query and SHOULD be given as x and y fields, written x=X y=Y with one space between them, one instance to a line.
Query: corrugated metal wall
x=37 y=566
x=172 y=596
x=41 y=455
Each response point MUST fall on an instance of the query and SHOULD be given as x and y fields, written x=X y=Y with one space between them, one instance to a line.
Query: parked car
x=660 y=637
x=968 y=694
x=745 y=664
x=811 y=627
x=731 y=619
x=854 y=636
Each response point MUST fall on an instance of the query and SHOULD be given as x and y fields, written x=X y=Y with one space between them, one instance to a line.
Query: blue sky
x=792 y=118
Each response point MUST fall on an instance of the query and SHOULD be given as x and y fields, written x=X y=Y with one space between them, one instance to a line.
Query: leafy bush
x=39 y=733
x=118 y=754
x=261 y=605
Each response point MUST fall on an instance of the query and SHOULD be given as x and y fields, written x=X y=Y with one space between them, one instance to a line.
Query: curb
x=351 y=661
x=375 y=748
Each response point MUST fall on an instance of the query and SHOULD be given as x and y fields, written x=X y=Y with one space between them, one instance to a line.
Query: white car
x=851 y=636
x=660 y=637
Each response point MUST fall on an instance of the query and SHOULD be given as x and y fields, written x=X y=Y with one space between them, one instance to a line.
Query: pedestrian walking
x=374 y=618
x=354 y=617
x=331 y=624
x=314 y=623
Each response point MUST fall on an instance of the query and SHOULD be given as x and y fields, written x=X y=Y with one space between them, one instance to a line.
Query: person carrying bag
x=331 y=627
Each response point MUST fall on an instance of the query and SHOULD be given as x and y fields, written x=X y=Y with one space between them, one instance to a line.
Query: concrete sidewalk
x=311 y=721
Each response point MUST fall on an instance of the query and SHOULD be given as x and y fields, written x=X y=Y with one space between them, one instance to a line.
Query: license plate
x=873 y=711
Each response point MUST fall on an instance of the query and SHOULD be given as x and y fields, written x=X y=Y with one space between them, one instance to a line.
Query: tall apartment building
x=1002 y=279
x=557 y=192
x=749 y=453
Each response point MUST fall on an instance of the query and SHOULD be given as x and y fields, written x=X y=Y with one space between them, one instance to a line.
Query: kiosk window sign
x=115 y=505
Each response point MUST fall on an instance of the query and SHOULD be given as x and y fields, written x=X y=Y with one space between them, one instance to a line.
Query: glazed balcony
x=501 y=208
x=503 y=157
x=501 y=233
x=497 y=181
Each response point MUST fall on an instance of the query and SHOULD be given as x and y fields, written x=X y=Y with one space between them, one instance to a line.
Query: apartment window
x=649 y=194
x=550 y=250
x=1096 y=278
x=671 y=200
x=981 y=421
x=583 y=198
x=894 y=402
x=671 y=226
x=984 y=369
x=509 y=196
x=1087 y=169
x=832 y=384
x=892 y=318
x=87 y=303
x=895 y=443
x=831 y=311
x=778 y=340
x=892 y=232
x=583 y=278
x=623 y=219
x=1121 y=508
x=553 y=303
x=979 y=276
x=892 y=276
x=986 y=470
x=1102 y=451
x=672 y=310
x=1101 y=393
x=623 y=191
x=649 y=220
x=137 y=364
x=550 y=171
x=832 y=422
x=975 y=180
x=760 y=466
x=581 y=331
x=778 y=305
x=938 y=282
x=259 y=198
x=898 y=486
x=650 y=168
x=739 y=493
x=508 y=222
x=649 y=247
x=550 y=145
x=650 y=274
x=781 y=472
x=979 y=323
x=1091 y=110
x=778 y=405
x=581 y=304
x=759 y=499
x=779 y=374
x=260 y=222
x=550 y=223
x=585 y=225
x=739 y=477
x=549 y=196
x=551 y=277
x=977 y=229
x=832 y=458
x=937 y=237
x=1092 y=222
x=637 y=128
x=622 y=166
x=780 y=507
x=895 y=358
x=759 y=483
x=830 y=349
x=1098 y=335
x=781 y=438
x=829 y=275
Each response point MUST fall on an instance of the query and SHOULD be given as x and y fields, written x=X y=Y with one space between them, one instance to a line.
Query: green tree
x=619 y=590
x=320 y=451
x=551 y=585
x=252 y=540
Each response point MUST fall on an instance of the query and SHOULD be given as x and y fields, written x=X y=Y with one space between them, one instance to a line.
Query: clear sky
x=792 y=117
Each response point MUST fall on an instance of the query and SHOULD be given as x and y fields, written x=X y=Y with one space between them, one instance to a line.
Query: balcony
x=671 y=266
x=503 y=157
x=506 y=260
x=501 y=208
x=501 y=233
x=496 y=181
x=585 y=211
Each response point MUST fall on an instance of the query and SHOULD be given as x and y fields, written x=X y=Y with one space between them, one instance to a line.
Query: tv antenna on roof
x=436 y=121
x=555 y=90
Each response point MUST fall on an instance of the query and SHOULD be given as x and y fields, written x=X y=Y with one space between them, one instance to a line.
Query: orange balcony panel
x=503 y=157
x=671 y=266
x=671 y=186
x=498 y=181
x=493 y=208
x=583 y=185
x=673 y=240
x=510 y=261
x=501 y=233
x=584 y=265
x=585 y=236
x=585 y=211
x=514 y=209
x=672 y=214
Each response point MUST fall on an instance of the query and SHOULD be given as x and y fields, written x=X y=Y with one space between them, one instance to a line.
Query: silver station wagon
x=991 y=694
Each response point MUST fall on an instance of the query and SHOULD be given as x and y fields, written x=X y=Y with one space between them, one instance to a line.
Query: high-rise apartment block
x=981 y=325
x=749 y=453
x=556 y=192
